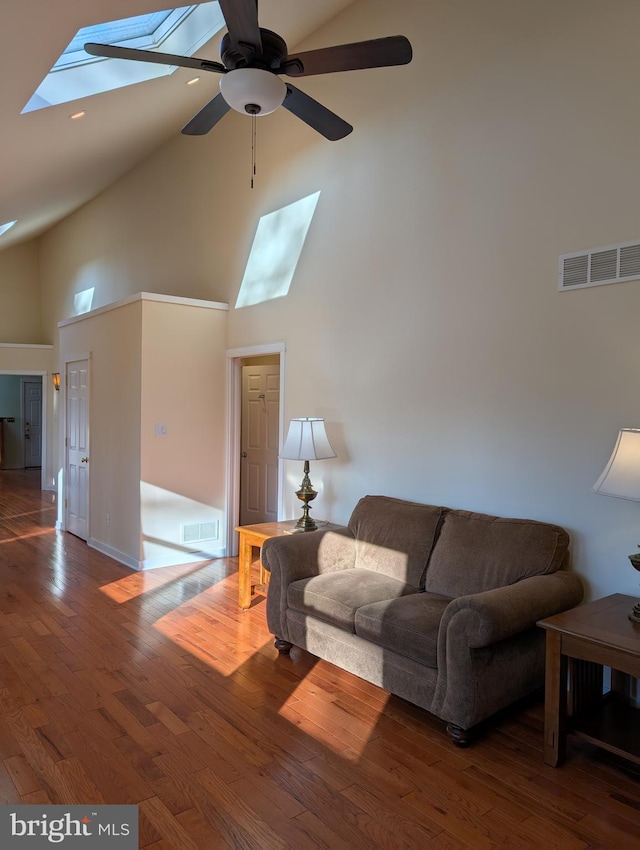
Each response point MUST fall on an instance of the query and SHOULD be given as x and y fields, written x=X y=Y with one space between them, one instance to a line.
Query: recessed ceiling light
x=77 y=115
x=193 y=81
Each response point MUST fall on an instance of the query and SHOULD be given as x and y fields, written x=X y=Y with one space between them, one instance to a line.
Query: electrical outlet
x=160 y=429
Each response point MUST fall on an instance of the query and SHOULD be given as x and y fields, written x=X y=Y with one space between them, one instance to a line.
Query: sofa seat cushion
x=478 y=552
x=335 y=597
x=407 y=625
x=395 y=537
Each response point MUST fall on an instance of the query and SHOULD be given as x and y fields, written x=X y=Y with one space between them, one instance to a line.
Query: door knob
x=243 y=454
x=84 y=460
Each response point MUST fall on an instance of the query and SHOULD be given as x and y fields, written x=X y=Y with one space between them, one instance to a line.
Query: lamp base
x=634 y=616
x=307 y=523
x=306 y=494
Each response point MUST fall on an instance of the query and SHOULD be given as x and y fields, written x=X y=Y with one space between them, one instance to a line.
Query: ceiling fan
x=252 y=60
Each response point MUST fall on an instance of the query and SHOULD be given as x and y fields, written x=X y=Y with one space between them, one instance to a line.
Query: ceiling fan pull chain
x=253 y=148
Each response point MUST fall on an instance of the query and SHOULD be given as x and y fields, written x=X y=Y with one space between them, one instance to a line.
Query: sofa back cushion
x=477 y=552
x=394 y=537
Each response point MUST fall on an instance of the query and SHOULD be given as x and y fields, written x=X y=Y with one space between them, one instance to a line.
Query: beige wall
x=153 y=363
x=182 y=474
x=112 y=341
x=20 y=315
x=424 y=321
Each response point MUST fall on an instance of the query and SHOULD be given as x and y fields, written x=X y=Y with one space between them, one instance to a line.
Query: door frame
x=47 y=386
x=61 y=524
x=235 y=356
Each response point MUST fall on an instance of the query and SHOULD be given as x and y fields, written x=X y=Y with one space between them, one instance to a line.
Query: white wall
x=424 y=321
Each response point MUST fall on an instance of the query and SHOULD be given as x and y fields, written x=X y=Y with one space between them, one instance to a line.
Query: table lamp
x=307 y=440
x=621 y=478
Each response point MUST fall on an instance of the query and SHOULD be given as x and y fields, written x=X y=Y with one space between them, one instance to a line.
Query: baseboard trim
x=153 y=563
x=114 y=553
x=185 y=558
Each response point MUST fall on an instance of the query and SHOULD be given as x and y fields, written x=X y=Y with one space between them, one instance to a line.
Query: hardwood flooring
x=154 y=688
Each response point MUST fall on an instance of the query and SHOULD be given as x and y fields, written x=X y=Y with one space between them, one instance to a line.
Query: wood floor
x=154 y=688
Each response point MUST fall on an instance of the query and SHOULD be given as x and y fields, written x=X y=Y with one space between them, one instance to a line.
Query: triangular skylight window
x=75 y=74
x=7 y=226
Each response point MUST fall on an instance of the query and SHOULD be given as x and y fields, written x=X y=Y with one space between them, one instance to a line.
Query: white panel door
x=77 y=449
x=32 y=419
x=259 y=444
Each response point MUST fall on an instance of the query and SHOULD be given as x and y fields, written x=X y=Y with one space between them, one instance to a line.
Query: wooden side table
x=252 y=537
x=581 y=642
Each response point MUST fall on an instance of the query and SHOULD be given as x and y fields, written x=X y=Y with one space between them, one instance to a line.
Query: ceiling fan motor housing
x=274 y=50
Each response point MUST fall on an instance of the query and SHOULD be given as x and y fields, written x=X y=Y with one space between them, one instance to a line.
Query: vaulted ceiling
x=49 y=164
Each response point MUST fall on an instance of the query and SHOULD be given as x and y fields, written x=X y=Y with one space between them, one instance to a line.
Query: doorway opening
x=259 y=439
x=255 y=422
x=23 y=407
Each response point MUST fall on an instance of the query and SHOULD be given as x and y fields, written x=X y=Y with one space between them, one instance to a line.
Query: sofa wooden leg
x=460 y=737
x=283 y=646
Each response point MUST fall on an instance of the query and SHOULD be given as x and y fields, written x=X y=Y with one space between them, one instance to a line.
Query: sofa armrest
x=497 y=614
x=297 y=556
x=489 y=649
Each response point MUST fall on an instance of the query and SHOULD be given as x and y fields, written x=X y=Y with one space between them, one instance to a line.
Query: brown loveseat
x=438 y=606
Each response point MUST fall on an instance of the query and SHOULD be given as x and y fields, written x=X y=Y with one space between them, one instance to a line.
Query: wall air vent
x=198 y=532
x=611 y=264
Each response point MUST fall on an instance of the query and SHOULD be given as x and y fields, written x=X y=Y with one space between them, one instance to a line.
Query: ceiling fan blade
x=376 y=53
x=315 y=114
x=207 y=118
x=112 y=51
x=241 y=18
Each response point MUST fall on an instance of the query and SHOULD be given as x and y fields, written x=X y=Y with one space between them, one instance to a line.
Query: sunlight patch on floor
x=144 y=581
x=318 y=714
x=27 y=534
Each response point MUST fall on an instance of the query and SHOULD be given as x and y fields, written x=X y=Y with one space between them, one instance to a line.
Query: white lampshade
x=307 y=440
x=621 y=476
x=252 y=91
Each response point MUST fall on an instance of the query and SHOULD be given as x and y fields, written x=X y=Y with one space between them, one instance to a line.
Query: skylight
x=7 y=226
x=76 y=74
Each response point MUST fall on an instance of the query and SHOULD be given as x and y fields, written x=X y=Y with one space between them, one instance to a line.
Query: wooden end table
x=252 y=537
x=580 y=642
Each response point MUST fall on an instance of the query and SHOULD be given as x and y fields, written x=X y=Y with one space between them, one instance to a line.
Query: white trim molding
x=145 y=296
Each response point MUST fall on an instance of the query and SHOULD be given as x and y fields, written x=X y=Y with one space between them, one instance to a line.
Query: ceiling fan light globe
x=252 y=91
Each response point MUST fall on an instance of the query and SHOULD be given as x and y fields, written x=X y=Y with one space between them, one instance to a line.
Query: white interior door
x=77 y=449
x=32 y=421
x=259 y=444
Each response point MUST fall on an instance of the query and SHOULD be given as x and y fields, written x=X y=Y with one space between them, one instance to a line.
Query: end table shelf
x=613 y=726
